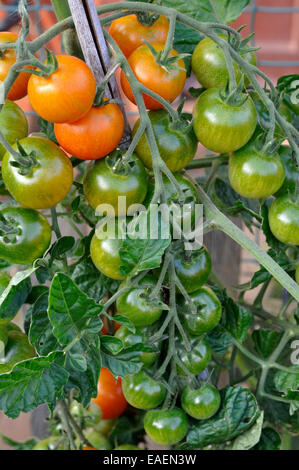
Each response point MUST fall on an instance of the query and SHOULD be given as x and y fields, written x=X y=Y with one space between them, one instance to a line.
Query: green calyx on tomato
x=105 y=246
x=166 y=427
x=254 y=174
x=201 y=403
x=223 y=127
x=17 y=347
x=197 y=360
x=207 y=312
x=284 y=220
x=193 y=268
x=291 y=171
x=13 y=124
x=109 y=179
x=142 y=392
x=25 y=235
x=209 y=64
x=48 y=182
x=139 y=337
x=137 y=306
x=177 y=144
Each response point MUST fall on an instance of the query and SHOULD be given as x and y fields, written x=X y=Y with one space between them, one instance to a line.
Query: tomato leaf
x=89 y=280
x=238 y=319
x=83 y=363
x=250 y=438
x=41 y=331
x=71 y=312
x=111 y=345
x=28 y=445
x=59 y=248
x=140 y=254
x=266 y=341
x=15 y=294
x=270 y=440
x=202 y=10
x=238 y=413
x=126 y=361
x=288 y=385
x=32 y=383
x=219 y=340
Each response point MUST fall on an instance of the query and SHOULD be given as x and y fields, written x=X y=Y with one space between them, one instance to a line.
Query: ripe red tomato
x=93 y=136
x=66 y=95
x=130 y=34
x=110 y=395
x=19 y=88
x=168 y=84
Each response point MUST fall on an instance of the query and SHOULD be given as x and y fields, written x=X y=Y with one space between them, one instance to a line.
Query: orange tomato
x=168 y=84
x=88 y=448
x=130 y=34
x=93 y=136
x=66 y=95
x=19 y=88
x=110 y=396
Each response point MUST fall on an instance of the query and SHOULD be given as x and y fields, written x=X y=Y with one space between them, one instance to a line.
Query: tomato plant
x=129 y=328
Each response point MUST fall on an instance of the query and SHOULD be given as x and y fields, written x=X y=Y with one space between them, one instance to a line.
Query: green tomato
x=108 y=179
x=17 y=348
x=221 y=127
x=142 y=392
x=255 y=175
x=31 y=237
x=127 y=447
x=49 y=443
x=284 y=220
x=209 y=64
x=166 y=427
x=202 y=403
x=139 y=337
x=136 y=305
x=13 y=124
x=198 y=359
x=105 y=426
x=291 y=171
x=208 y=313
x=193 y=268
x=297 y=274
x=97 y=440
x=48 y=183
x=104 y=251
x=176 y=141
